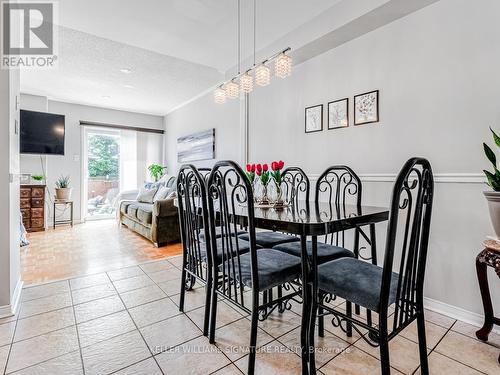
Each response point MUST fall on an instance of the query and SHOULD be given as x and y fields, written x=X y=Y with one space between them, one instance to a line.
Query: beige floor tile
x=98 y=308
x=165 y=275
x=44 y=323
x=45 y=290
x=354 y=362
x=441 y=365
x=154 y=312
x=233 y=339
x=4 y=353
x=132 y=283
x=8 y=319
x=42 y=348
x=176 y=261
x=404 y=354
x=470 y=330
x=278 y=324
x=225 y=315
x=114 y=354
x=93 y=293
x=327 y=347
x=273 y=359
x=152 y=267
x=68 y=364
x=44 y=304
x=88 y=281
x=105 y=328
x=228 y=370
x=141 y=296
x=193 y=299
x=471 y=352
x=171 y=287
x=6 y=333
x=125 y=273
x=147 y=367
x=168 y=333
x=433 y=333
x=196 y=357
x=439 y=319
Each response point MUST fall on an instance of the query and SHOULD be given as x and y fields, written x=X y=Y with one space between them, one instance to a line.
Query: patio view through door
x=102 y=172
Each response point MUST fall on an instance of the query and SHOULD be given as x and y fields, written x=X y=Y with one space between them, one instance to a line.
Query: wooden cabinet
x=33 y=207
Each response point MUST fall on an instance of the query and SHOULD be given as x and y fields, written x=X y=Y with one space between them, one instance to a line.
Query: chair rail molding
x=455 y=178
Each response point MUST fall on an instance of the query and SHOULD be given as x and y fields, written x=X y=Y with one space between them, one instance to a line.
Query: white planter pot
x=64 y=193
x=493 y=198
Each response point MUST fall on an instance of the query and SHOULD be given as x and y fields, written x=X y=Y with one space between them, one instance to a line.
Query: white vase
x=493 y=198
x=63 y=194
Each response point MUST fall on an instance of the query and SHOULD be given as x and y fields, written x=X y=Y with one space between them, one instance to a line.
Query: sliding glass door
x=102 y=171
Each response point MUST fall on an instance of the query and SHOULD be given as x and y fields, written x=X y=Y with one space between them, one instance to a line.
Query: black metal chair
x=193 y=217
x=376 y=288
x=295 y=187
x=230 y=192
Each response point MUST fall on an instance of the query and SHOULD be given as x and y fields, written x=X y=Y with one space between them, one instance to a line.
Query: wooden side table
x=487 y=258
x=65 y=203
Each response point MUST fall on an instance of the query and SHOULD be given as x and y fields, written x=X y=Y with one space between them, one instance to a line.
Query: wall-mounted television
x=42 y=133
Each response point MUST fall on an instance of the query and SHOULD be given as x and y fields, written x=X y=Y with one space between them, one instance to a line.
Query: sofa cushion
x=141 y=212
x=146 y=195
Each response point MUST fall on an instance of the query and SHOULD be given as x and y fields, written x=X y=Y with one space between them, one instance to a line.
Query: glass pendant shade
x=262 y=75
x=219 y=95
x=246 y=83
x=283 y=65
x=232 y=90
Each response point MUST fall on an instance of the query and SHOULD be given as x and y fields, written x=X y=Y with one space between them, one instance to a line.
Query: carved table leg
x=482 y=276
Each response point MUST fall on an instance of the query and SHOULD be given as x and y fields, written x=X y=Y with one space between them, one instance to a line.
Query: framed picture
x=196 y=146
x=25 y=179
x=366 y=108
x=314 y=118
x=338 y=114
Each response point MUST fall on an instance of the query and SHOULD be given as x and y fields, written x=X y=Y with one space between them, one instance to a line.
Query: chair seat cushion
x=275 y=268
x=325 y=252
x=218 y=233
x=269 y=239
x=243 y=246
x=356 y=281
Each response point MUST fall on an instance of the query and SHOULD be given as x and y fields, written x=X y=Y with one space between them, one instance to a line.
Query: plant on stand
x=263 y=173
x=157 y=171
x=493 y=197
x=63 y=191
x=277 y=167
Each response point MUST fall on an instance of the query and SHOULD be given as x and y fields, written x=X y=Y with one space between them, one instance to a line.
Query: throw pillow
x=162 y=193
x=146 y=195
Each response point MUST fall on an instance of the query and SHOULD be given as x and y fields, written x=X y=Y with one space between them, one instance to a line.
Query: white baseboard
x=455 y=313
x=12 y=309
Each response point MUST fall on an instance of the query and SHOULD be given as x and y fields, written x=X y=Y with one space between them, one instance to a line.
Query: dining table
x=308 y=221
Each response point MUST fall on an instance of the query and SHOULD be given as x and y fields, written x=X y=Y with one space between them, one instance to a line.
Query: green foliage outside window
x=103 y=158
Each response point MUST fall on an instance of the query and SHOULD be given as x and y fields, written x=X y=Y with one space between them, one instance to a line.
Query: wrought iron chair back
x=411 y=206
x=229 y=190
x=295 y=186
x=338 y=185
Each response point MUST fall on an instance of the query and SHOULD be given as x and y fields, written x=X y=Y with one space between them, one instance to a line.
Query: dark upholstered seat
x=270 y=239
x=218 y=233
x=141 y=212
x=356 y=281
x=244 y=247
x=325 y=252
x=275 y=268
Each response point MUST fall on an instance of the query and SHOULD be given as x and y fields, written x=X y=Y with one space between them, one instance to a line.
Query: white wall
x=437 y=72
x=10 y=281
x=70 y=163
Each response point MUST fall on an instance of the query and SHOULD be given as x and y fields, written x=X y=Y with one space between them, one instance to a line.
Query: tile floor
x=127 y=322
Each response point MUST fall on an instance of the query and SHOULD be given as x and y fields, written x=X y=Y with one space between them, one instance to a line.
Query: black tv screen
x=42 y=133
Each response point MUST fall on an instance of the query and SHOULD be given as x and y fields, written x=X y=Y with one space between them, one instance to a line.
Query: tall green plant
x=156 y=171
x=493 y=178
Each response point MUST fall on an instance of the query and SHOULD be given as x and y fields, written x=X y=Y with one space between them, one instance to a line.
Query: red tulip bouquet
x=251 y=172
x=277 y=167
x=262 y=171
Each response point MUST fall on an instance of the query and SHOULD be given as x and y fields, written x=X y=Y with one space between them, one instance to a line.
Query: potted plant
x=63 y=191
x=493 y=197
x=277 y=167
x=157 y=171
x=38 y=178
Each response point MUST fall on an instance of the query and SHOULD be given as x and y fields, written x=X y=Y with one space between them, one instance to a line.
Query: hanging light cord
x=239 y=38
x=254 y=29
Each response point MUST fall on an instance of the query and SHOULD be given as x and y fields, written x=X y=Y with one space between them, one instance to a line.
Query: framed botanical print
x=338 y=114
x=366 y=108
x=314 y=118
